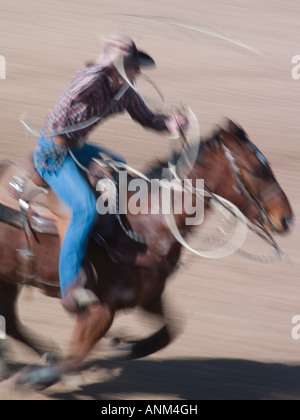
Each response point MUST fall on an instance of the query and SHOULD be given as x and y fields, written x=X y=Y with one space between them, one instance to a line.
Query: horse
x=125 y=269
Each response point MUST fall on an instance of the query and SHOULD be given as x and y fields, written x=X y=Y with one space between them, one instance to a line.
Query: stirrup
x=84 y=297
x=79 y=299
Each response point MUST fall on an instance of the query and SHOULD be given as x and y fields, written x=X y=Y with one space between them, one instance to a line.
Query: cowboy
x=95 y=93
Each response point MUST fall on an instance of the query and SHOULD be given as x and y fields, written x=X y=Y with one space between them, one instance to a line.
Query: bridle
x=258 y=228
x=243 y=188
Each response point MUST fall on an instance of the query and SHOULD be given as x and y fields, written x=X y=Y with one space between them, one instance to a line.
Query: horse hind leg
x=4 y=164
x=14 y=328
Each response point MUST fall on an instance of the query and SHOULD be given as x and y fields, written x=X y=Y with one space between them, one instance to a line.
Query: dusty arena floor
x=223 y=58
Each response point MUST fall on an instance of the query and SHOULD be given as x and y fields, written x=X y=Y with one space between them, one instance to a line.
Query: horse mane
x=211 y=144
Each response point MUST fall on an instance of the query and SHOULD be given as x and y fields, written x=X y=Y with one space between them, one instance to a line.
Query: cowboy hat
x=132 y=56
x=138 y=58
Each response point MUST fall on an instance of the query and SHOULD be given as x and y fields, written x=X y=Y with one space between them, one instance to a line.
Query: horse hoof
x=128 y=350
x=5 y=373
x=3 y=368
x=38 y=378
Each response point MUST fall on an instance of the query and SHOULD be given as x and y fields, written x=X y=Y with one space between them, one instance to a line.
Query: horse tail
x=7 y=163
x=4 y=164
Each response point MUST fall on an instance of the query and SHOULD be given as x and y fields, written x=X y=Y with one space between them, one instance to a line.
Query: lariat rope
x=263 y=233
x=218 y=201
x=225 y=204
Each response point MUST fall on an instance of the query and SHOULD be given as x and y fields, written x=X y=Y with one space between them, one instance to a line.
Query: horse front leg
x=161 y=338
x=91 y=325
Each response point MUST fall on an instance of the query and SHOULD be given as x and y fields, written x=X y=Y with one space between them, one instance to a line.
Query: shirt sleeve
x=139 y=112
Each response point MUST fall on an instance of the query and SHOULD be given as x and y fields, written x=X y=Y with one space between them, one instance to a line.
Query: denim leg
x=70 y=186
x=91 y=150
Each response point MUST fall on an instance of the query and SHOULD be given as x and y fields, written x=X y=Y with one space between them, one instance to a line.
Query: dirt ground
x=223 y=58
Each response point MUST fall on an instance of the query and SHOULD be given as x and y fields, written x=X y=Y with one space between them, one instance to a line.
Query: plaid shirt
x=89 y=96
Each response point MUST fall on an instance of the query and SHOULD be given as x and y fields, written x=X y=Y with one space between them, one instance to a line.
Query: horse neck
x=217 y=172
x=212 y=167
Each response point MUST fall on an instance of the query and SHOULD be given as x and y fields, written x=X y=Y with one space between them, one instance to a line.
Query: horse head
x=249 y=182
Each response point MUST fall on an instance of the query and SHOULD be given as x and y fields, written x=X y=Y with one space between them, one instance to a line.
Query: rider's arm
x=139 y=112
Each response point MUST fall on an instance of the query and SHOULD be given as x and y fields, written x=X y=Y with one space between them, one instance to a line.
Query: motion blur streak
x=237 y=339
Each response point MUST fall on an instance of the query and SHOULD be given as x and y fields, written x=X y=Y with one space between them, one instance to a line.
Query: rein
x=140 y=238
x=137 y=237
x=173 y=235
x=244 y=189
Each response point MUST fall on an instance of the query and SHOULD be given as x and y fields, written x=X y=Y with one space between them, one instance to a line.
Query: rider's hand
x=176 y=124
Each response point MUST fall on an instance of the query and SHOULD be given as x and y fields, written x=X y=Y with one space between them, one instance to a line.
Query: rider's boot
x=77 y=297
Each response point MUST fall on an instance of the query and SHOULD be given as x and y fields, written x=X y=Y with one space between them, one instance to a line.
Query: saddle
x=21 y=189
x=28 y=203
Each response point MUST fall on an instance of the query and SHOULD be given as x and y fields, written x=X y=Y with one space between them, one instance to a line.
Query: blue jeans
x=90 y=151
x=71 y=188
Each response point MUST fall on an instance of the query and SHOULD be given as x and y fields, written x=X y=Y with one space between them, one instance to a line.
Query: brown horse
x=126 y=271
